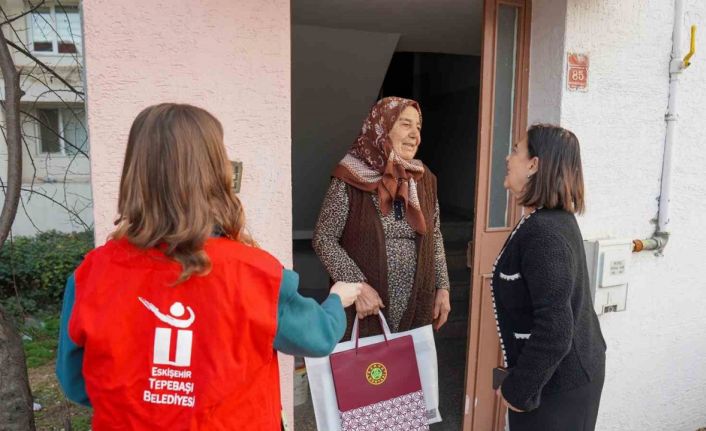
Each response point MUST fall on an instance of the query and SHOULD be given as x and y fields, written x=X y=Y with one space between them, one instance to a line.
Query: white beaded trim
x=492 y=275
x=512 y=277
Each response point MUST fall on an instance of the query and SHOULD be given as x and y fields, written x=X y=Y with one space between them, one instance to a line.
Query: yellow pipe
x=692 y=49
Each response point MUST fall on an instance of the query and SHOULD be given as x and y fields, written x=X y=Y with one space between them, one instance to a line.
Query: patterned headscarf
x=372 y=164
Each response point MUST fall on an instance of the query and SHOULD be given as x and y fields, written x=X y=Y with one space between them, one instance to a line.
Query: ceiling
x=441 y=26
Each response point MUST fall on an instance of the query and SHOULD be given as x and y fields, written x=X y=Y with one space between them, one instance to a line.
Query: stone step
x=459 y=274
x=455 y=245
x=457 y=231
x=456 y=261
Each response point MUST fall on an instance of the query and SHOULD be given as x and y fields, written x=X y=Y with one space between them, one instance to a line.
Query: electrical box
x=608 y=262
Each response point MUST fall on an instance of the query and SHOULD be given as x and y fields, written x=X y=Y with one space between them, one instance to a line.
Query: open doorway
x=345 y=56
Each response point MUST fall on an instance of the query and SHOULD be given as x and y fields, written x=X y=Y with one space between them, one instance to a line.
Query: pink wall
x=231 y=57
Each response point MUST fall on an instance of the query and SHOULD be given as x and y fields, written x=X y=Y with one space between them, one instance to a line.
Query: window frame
x=55 y=36
x=62 y=138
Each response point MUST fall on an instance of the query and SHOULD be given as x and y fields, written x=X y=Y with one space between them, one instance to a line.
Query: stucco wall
x=230 y=57
x=656 y=373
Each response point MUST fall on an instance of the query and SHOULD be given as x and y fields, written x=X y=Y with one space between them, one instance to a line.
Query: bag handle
x=383 y=323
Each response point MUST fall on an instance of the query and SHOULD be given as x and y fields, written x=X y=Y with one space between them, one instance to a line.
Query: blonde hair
x=176 y=186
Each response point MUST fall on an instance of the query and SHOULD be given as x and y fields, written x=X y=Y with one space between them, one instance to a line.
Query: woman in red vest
x=175 y=323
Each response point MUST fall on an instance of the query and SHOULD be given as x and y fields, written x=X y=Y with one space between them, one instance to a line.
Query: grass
x=43 y=335
x=40 y=350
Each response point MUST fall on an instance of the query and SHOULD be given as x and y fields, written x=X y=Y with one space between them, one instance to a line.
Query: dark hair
x=558 y=182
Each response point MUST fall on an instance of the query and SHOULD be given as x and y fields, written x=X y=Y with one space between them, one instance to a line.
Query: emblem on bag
x=376 y=373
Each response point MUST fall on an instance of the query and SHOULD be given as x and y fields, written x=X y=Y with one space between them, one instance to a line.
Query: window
x=56 y=30
x=62 y=131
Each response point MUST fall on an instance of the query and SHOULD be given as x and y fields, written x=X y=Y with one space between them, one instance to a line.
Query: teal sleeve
x=69 y=358
x=305 y=328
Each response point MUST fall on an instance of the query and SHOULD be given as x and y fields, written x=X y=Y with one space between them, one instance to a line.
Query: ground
x=55 y=408
x=41 y=335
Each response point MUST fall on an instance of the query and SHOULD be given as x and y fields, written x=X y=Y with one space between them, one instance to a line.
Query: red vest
x=193 y=356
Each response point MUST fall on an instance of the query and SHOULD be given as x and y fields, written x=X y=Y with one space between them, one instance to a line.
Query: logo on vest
x=169 y=386
x=163 y=336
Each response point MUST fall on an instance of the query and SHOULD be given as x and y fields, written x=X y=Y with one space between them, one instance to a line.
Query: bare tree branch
x=16 y=17
x=29 y=216
x=26 y=49
x=47 y=68
x=63 y=206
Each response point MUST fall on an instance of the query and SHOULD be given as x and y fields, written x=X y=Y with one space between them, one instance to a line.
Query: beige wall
x=231 y=57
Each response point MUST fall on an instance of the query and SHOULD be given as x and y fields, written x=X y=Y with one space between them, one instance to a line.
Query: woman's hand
x=500 y=392
x=369 y=302
x=442 y=308
x=348 y=292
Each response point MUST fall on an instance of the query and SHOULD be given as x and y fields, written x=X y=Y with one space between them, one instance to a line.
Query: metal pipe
x=659 y=239
x=676 y=66
x=654 y=243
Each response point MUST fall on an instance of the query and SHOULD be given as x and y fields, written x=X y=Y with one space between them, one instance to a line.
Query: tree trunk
x=13 y=139
x=16 y=412
x=16 y=406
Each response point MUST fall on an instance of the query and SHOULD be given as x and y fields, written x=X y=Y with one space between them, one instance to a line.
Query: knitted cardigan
x=549 y=331
x=364 y=241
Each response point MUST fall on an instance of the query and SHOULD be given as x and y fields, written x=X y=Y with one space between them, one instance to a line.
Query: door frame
x=488 y=241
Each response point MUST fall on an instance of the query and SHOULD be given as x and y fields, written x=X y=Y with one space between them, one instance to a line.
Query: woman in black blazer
x=552 y=343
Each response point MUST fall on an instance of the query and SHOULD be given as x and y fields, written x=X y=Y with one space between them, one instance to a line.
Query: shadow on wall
x=447 y=88
x=336 y=77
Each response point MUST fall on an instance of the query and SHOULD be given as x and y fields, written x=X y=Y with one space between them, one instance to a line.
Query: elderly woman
x=379 y=224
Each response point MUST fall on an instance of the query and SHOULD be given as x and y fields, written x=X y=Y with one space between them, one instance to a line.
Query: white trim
x=512 y=277
x=492 y=290
x=62 y=138
x=522 y=336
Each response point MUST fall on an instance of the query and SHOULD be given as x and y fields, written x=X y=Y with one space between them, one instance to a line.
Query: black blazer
x=548 y=328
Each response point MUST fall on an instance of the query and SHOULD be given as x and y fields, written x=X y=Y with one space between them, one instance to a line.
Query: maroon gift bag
x=378 y=385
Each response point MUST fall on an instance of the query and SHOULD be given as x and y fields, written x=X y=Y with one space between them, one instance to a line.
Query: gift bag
x=321 y=382
x=378 y=386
